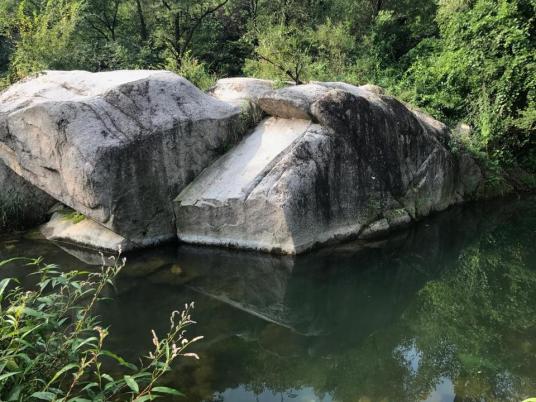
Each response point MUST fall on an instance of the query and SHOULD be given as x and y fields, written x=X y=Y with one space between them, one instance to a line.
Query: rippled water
x=445 y=311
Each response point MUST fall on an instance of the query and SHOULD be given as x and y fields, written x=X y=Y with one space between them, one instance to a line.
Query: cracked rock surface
x=115 y=146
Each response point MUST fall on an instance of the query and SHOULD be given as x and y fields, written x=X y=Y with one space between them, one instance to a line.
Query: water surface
x=444 y=311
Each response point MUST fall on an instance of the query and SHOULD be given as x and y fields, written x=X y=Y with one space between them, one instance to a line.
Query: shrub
x=481 y=70
x=283 y=53
x=193 y=70
x=43 y=35
x=51 y=345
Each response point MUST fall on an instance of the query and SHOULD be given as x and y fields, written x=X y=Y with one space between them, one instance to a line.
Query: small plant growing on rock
x=51 y=344
x=74 y=217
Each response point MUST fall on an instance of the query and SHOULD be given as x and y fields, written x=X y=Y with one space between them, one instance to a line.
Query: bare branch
x=198 y=22
x=287 y=72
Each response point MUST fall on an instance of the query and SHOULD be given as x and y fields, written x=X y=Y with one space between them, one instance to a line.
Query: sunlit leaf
x=45 y=396
x=62 y=371
x=132 y=384
x=167 y=390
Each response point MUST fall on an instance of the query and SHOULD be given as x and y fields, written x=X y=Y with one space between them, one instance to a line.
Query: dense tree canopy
x=464 y=61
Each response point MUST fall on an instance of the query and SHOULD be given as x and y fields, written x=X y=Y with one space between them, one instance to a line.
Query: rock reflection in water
x=441 y=312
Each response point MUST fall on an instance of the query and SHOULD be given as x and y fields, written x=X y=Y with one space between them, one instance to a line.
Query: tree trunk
x=144 y=34
x=378 y=7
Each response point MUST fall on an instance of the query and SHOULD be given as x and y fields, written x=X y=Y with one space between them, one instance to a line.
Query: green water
x=445 y=311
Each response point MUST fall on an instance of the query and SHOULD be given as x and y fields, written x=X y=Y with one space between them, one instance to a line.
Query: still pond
x=444 y=311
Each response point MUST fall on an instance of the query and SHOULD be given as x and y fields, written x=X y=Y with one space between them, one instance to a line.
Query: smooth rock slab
x=116 y=146
x=240 y=89
x=67 y=227
x=211 y=209
x=234 y=175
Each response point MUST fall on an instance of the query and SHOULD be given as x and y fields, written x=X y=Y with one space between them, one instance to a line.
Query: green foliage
x=193 y=70
x=43 y=32
x=481 y=70
x=470 y=61
x=74 y=217
x=298 y=54
x=283 y=53
x=178 y=21
x=51 y=344
x=333 y=48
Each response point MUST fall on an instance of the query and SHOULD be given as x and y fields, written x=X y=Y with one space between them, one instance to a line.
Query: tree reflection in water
x=445 y=311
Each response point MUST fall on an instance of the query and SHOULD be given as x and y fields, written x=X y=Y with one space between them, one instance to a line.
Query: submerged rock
x=363 y=165
x=70 y=227
x=21 y=204
x=116 y=146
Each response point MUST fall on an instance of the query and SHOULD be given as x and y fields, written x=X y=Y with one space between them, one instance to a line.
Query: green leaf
x=90 y=385
x=132 y=384
x=5 y=262
x=3 y=285
x=61 y=371
x=85 y=341
x=167 y=390
x=146 y=398
x=119 y=359
x=141 y=374
x=108 y=377
x=34 y=313
x=45 y=396
x=14 y=393
x=530 y=400
x=7 y=375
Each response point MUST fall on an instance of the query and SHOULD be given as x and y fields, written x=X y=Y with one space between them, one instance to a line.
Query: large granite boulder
x=115 y=146
x=21 y=204
x=355 y=164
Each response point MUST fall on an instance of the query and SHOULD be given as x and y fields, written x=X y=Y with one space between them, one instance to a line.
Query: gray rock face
x=295 y=102
x=364 y=165
x=241 y=89
x=116 y=146
x=227 y=204
x=292 y=102
x=21 y=204
x=243 y=93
